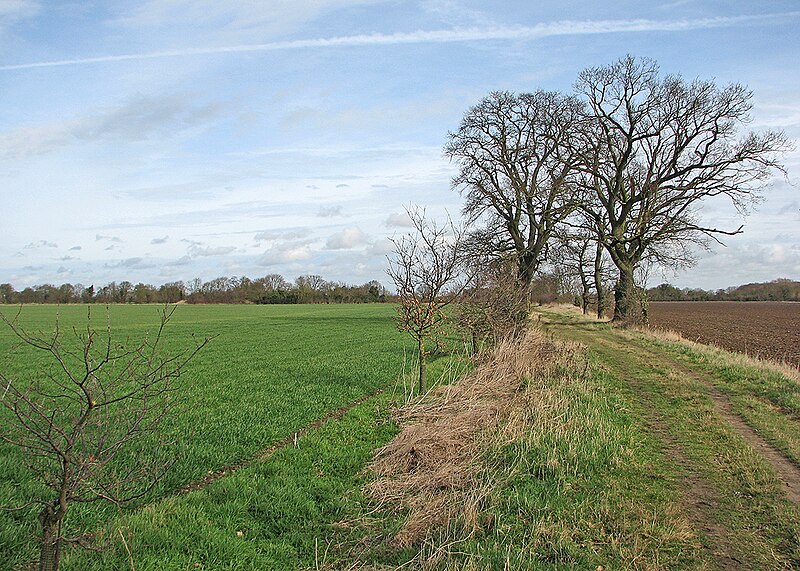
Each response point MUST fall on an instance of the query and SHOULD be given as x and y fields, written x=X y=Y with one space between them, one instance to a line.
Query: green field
x=269 y=371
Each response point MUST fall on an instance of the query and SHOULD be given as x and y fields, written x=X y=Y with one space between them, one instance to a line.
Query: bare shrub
x=73 y=418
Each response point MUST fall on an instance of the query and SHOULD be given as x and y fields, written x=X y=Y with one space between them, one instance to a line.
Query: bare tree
x=72 y=419
x=427 y=269
x=651 y=151
x=574 y=253
x=494 y=306
x=513 y=164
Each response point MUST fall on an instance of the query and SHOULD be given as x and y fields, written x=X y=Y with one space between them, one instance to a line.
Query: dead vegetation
x=435 y=470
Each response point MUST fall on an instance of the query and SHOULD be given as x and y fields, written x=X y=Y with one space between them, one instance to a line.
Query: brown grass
x=432 y=470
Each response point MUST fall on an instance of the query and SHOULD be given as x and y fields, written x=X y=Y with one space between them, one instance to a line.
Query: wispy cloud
x=330 y=211
x=40 y=244
x=197 y=249
x=285 y=254
x=101 y=237
x=13 y=10
x=399 y=220
x=544 y=30
x=140 y=118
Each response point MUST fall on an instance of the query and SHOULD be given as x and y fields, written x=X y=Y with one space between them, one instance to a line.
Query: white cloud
x=182 y=261
x=159 y=240
x=293 y=234
x=329 y=211
x=789 y=208
x=380 y=248
x=399 y=220
x=233 y=19
x=347 y=239
x=40 y=244
x=131 y=263
x=139 y=118
x=285 y=253
x=11 y=11
x=197 y=250
x=102 y=238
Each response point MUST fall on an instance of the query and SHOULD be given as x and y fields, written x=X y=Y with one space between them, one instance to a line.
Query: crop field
x=269 y=371
x=762 y=329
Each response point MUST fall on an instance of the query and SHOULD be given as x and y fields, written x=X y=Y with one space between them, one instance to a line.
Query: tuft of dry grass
x=434 y=470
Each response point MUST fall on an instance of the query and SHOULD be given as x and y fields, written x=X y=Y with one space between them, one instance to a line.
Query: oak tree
x=513 y=165
x=650 y=151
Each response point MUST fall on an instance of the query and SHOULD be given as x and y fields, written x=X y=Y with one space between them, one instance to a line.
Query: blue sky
x=165 y=140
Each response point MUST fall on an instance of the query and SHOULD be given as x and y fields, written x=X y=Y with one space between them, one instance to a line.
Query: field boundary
x=764 y=330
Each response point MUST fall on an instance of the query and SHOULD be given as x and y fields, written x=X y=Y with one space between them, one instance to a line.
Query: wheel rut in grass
x=787 y=471
x=289 y=440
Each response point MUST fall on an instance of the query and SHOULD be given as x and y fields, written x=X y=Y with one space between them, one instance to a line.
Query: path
x=679 y=403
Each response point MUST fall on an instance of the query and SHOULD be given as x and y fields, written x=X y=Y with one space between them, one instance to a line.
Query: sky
x=162 y=140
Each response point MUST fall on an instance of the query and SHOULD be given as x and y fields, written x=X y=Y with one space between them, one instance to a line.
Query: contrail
x=561 y=28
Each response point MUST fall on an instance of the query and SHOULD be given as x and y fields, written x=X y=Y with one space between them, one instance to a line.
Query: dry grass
x=434 y=470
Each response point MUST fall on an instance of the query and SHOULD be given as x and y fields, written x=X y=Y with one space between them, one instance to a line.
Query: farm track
x=788 y=472
x=702 y=499
x=289 y=440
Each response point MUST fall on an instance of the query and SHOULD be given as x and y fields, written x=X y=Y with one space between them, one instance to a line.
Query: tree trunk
x=584 y=289
x=422 y=367
x=598 y=280
x=50 y=548
x=527 y=266
x=630 y=304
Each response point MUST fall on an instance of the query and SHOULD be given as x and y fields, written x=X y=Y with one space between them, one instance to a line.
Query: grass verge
x=765 y=394
x=536 y=460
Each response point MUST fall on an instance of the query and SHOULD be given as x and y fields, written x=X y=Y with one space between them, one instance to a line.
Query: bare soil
x=764 y=329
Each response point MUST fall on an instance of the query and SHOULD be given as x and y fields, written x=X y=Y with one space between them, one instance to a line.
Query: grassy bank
x=733 y=494
x=537 y=460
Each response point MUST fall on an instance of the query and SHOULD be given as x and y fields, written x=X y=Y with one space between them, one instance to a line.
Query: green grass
x=280 y=513
x=269 y=371
x=588 y=488
x=600 y=473
x=575 y=480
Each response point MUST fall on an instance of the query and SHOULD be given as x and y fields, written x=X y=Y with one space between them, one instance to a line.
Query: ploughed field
x=766 y=329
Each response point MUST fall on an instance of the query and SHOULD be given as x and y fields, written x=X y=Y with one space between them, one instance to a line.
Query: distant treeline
x=272 y=288
x=777 y=290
